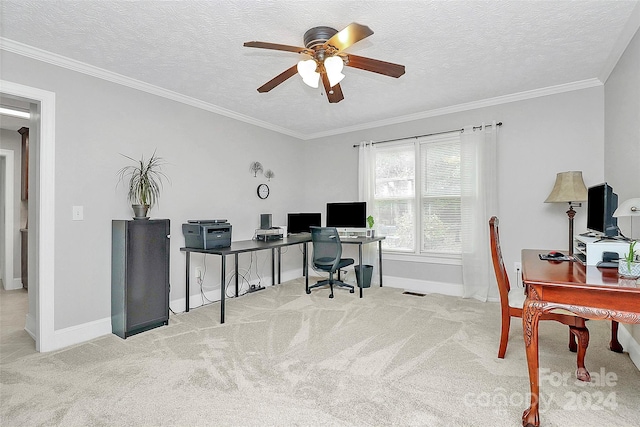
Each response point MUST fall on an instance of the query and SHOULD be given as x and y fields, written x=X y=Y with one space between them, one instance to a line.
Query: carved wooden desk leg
x=530 y=317
x=582 y=334
x=614 y=344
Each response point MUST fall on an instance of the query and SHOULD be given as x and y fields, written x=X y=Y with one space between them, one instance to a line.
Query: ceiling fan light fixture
x=307 y=70
x=334 y=66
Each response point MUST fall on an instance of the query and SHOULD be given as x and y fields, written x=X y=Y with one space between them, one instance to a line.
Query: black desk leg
x=236 y=275
x=305 y=266
x=380 y=260
x=273 y=266
x=360 y=272
x=279 y=265
x=222 y=291
x=188 y=254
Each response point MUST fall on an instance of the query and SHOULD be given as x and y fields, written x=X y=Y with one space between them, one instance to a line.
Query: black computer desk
x=243 y=246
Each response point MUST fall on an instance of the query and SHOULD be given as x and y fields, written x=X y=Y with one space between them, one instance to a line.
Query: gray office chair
x=327 y=253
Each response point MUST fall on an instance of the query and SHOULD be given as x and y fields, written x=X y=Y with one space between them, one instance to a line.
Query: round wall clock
x=263 y=191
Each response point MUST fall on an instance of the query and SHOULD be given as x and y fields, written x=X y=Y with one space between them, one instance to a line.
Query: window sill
x=448 y=259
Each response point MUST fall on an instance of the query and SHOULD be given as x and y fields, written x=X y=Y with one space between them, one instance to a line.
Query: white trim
x=30 y=326
x=44 y=279
x=489 y=102
x=423 y=286
x=8 y=280
x=82 y=333
x=81 y=67
x=422 y=258
x=630 y=345
x=61 y=61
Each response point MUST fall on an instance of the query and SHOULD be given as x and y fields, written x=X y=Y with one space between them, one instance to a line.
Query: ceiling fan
x=326 y=46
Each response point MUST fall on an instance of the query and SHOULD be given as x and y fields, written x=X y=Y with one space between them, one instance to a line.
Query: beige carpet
x=285 y=358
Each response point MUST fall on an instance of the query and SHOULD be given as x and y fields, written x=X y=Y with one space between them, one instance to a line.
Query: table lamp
x=630 y=207
x=569 y=188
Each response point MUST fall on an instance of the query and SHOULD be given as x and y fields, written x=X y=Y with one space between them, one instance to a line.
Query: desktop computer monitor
x=302 y=222
x=347 y=215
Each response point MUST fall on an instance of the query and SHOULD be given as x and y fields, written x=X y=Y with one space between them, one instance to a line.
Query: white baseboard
x=630 y=345
x=16 y=283
x=74 y=334
x=30 y=326
x=81 y=333
x=423 y=286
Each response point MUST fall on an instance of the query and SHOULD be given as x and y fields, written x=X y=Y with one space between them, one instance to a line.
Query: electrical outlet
x=198 y=273
x=517 y=268
x=78 y=213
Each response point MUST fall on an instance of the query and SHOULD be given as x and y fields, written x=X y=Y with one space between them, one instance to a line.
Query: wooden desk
x=243 y=246
x=587 y=291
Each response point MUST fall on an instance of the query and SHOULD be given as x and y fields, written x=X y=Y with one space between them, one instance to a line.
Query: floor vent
x=415 y=294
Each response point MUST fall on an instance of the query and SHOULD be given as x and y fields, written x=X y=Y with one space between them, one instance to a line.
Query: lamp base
x=571 y=214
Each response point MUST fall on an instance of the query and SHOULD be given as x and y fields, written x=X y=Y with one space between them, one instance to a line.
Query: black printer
x=207 y=234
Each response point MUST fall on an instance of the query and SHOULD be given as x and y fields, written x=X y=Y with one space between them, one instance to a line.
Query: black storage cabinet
x=139 y=275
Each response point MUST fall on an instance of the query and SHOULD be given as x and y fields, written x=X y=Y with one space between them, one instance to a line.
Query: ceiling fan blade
x=278 y=79
x=334 y=94
x=351 y=34
x=275 y=46
x=375 y=65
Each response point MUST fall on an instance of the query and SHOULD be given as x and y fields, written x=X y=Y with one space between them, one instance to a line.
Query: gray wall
x=539 y=137
x=622 y=134
x=209 y=154
x=209 y=158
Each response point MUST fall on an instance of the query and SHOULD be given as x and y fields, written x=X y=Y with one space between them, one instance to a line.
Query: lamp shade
x=334 y=65
x=307 y=70
x=569 y=187
x=630 y=207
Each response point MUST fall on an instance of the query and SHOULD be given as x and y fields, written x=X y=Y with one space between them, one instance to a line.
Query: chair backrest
x=327 y=248
x=498 y=264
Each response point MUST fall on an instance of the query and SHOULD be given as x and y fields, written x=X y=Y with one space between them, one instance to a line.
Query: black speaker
x=265 y=221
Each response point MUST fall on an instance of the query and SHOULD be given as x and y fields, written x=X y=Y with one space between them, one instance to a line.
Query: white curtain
x=479 y=201
x=366 y=192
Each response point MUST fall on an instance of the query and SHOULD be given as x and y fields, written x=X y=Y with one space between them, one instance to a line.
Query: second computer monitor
x=347 y=215
x=302 y=222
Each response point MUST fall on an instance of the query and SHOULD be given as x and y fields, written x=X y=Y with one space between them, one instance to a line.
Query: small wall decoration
x=269 y=174
x=255 y=167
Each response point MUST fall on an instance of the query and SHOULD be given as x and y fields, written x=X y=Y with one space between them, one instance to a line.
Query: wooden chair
x=512 y=301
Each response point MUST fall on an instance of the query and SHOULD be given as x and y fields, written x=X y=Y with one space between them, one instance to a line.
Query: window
x=417 y=195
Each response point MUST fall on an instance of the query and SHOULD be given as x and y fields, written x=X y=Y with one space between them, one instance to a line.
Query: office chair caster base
x=351 y=291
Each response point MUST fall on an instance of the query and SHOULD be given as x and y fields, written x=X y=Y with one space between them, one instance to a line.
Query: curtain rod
x=428 y=134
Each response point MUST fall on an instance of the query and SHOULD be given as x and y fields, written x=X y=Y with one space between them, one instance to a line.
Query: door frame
x=8 y=225
x=41 y=212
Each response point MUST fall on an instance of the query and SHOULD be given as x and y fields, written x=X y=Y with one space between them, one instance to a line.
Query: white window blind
x=417 y=195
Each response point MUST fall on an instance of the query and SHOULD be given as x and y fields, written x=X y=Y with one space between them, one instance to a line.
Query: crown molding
x=81 y=67
x=489 y=102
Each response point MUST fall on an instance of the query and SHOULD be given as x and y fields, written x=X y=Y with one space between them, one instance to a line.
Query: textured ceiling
x=455 y=52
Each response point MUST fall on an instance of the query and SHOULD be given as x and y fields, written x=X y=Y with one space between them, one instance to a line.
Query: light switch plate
x=78 y=213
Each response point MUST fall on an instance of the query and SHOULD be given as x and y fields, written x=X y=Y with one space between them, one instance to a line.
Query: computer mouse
x=555 y=254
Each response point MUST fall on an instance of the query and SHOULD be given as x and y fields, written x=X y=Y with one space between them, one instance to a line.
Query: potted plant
x=629 y=266
x=370 y=230
x=145 y=182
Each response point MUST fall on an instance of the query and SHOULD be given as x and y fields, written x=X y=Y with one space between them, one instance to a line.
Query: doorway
x=41 y=218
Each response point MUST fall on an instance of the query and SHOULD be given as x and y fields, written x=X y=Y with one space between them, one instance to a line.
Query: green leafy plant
x=145 y=179
x=631 y=256
x=370 y=221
